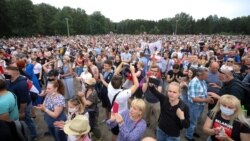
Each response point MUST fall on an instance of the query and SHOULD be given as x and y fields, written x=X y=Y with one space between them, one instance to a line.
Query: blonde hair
x=76 y=101
x=139 y=103
x=175 y=84
x=231 y=100
x=141 y=64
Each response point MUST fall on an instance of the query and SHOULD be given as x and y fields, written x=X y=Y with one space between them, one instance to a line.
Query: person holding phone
x=152 y=102
x=130 y=122
x=118 y=96
x=226 y=121
x=174 y=113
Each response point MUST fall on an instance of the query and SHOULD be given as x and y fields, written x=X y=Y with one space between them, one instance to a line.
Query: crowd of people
x=142 y=81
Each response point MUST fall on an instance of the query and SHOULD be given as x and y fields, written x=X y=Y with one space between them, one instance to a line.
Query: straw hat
x=78 y=126
x=90 y=81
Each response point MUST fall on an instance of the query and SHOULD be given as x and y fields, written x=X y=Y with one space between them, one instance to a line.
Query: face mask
x=226 y=111
x=72 y=110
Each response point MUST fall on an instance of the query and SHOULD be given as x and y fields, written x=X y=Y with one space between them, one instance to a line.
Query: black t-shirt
x=178 y=74
x=42 y=61
x=232 y=129
x=21 y=89
x=168 y=121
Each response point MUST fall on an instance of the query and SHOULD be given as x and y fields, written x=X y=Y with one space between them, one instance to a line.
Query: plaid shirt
x=197 y=89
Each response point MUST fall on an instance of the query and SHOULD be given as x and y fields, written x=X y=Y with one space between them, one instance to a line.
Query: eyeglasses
x=230 y=61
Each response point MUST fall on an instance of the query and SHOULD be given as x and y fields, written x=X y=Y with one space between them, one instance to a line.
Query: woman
x=203 y=60
x=140 y=74
x=79 y=128
x=117 y=61
x=131 y=124
x=53 y=106
x=47 y=67
x=85 y=75
x=174 y=113
x=90 y=99
x=184 y=84
x=175 y=74
x=93 y=68
x=211 y=60
x=99 y=62
x=226 y=121
x=37 y=69
x=75 y=108
x=79 y=63
x=67 y=78
x=228 y=65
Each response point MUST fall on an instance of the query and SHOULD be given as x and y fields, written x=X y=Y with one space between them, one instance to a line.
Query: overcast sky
x=118 y=10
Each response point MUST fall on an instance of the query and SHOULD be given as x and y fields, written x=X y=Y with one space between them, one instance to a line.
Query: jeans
x=78 y=70
x=58 y=134
x=184 y=98
x=30 y=123
x=156 y=109
x=162 y=136
x=195 y=113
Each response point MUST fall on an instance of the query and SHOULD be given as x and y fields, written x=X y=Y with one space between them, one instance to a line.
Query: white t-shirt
x=121 y=99
x=37 y=68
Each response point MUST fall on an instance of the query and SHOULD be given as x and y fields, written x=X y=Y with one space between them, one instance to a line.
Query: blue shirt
x=197 y=89
x=213 y=78
x=145 y=62
x=236 y=58
x=8 y=104
x=126 y=56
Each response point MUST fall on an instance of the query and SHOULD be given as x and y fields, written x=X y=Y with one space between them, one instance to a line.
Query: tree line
x=23 y=18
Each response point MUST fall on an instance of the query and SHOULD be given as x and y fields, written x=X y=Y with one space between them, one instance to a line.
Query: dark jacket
x=235 y=88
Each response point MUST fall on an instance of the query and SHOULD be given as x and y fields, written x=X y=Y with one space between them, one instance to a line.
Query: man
x=193 y=63
x=152 y=102
x=114 y=88
x=105 y=78
x=245 y=68
x=126 y=56
x=213 y=82
x=197 y=99
x=8 y=104
x=231 y=85
x=19 y=86
x=235 y=87
x=175 y=74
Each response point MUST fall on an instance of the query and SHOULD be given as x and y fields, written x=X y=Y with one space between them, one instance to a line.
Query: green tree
x=45 y=16
x=22 y=17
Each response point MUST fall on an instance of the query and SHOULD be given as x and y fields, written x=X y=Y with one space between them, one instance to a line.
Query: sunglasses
x=230 y=61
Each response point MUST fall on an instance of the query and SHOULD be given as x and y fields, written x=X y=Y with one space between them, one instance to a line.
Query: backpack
x=23 y=130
